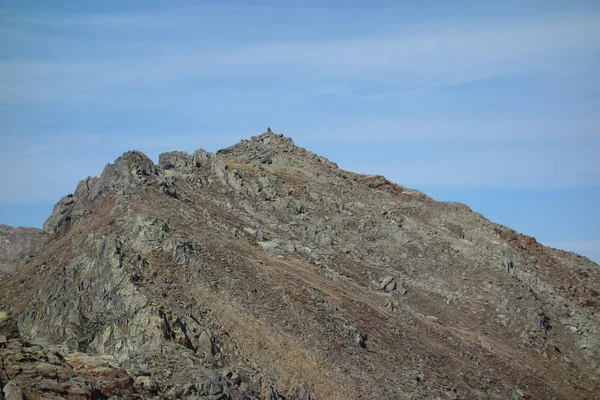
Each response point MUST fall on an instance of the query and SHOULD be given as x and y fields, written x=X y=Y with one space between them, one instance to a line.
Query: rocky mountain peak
x=265 y=148
x=131 y=163
x=266 y=272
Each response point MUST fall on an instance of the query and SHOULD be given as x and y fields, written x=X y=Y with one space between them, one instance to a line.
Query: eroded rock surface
x=265 y=271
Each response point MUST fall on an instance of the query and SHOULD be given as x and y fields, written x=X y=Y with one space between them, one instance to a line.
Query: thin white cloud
x=453 y=55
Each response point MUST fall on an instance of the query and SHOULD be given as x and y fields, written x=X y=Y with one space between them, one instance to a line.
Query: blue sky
x=493 y=104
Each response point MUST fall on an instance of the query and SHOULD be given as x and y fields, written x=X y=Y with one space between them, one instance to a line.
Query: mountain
x=16 y=245
x=265 y=271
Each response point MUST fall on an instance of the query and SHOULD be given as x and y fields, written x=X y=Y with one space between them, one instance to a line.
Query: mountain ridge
x=354 y=287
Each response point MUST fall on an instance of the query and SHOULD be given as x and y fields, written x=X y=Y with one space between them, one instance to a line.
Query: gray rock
x=290 y=248
x=244 y=387
x=415 y=377
x=12 y=391
x=270 y=247
x=176 y=160
x=401 y=288
x=202 y=158
x=260 y=236
x=60 y=220
x=215 y=388
x=205 y=345
x=388 y=284
x=539 y=320
x=146 y=383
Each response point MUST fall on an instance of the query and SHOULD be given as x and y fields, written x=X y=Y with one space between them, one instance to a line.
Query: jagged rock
x=60 y=220
x=12 y=391
x=290 y=247
x=145 y=383
x=176 y=160
x=401 y=288
x=133 y=163
x=388 y=284
x=205 y=345
x=35 y=371
x=260 y=236
x=201 y=157
x=269 y=247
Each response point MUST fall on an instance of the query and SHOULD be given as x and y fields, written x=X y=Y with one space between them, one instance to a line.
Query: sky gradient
x=493 y=104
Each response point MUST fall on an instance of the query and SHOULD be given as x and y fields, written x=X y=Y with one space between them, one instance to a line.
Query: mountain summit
x=266 y=272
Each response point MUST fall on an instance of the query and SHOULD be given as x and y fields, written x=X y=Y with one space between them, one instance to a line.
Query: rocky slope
x=264 y=271
x=16 y=246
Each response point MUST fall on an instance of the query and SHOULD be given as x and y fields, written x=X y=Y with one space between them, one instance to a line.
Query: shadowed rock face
x=264 y=271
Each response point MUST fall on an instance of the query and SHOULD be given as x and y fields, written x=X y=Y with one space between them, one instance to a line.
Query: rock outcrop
x=265 y=271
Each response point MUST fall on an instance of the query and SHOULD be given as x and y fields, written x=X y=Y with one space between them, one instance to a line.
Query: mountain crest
x=264 y=148
x=264 y=271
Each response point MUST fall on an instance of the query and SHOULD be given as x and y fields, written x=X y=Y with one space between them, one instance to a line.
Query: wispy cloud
x=449 y=55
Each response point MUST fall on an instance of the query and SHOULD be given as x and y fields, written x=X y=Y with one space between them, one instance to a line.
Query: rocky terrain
x=266 y=272
x=16 y=246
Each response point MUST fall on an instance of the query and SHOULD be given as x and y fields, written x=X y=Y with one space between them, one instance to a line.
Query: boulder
x=12 y=391
x=179 y=161
x=388 y=284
